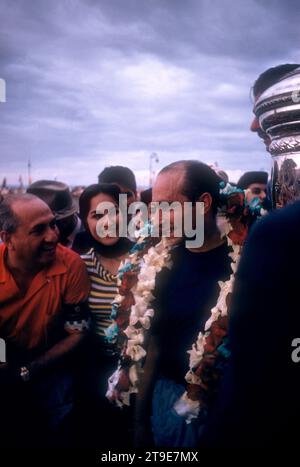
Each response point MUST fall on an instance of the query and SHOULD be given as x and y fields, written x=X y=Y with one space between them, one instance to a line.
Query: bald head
x=191 y=179
x=28 y=229
x=14 y=208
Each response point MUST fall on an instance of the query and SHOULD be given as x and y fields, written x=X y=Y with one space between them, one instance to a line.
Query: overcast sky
x=96 y=83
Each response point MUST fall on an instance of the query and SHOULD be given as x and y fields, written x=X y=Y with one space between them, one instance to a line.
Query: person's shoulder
x=77 y=285
x=290 y=213
x=279 y=223
x=68 y=256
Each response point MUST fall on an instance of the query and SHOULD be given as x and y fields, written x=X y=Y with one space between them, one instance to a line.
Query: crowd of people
x=59 y=288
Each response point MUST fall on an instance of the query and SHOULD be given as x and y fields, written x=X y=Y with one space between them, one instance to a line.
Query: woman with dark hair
x=105 y=255
x=102 y=261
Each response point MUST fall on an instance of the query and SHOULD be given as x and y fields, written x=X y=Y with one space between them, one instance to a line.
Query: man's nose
x=263 y=195
x=52 y=234
x=255 y=125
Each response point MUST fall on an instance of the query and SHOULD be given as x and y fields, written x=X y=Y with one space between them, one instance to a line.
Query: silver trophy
x=278 y=111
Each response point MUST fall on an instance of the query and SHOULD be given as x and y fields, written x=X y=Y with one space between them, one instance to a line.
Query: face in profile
x=36 y=237
x=256 y=128
x=256 y=190
x=108 y=221
x=168 y=188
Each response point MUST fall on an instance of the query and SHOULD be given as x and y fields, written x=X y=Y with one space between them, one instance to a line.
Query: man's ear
x=207 y=200
x=6 y=238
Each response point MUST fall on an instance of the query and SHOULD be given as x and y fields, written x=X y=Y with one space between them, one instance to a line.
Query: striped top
x=103 y=290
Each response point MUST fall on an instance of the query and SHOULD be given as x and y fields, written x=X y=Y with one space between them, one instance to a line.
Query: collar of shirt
x=56 y=268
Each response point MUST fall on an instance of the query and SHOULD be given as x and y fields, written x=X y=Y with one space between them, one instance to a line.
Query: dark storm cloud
x=93 y=83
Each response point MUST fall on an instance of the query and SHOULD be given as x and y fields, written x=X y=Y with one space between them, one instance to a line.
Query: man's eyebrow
x=169 y=201
x=95 y=212
x=42 y=224
x=38 y=226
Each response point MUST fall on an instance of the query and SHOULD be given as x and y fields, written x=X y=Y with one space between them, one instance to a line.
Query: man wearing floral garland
x=184 y=298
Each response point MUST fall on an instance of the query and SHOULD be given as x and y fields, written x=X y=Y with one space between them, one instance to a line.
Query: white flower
x=146 y=279
x=144 y=319
x=229 y=241
x=227 y=228
x=134 y=351
x=234 y=267
x=196 y=353
x=147 y=296
x=140 y=306
x=134 y=372
x=144 y=286
x=118 y=299
x=112 y=384
x=134 y=335
x=187 y=408
x=156 y=257
x=215 y=313
x=145 y=322
x=192 y=378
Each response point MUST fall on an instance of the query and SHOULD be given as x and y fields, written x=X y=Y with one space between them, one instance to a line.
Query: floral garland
x=132 y=312
x=204 y=352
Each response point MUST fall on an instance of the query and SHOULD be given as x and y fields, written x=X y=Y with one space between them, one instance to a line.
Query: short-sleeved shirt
x=37 y=320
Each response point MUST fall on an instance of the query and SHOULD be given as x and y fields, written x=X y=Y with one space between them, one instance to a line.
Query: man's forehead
x=255 y=99
x=169 y=184
x=256 y=184
x=31 y=211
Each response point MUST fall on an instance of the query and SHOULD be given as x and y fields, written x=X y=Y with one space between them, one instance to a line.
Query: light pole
x=29 y=172
x=153 y=157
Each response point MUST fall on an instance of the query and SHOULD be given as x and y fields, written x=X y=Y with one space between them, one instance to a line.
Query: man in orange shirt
x=43 y=291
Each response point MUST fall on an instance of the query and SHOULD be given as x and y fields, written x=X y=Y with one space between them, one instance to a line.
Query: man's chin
x=172 y=241
x=47 y=256
x=267 y=143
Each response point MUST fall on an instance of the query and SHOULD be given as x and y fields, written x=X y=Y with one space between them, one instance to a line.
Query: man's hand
x=58 y=351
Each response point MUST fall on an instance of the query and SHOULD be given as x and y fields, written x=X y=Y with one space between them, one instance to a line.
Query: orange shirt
x=37 y=320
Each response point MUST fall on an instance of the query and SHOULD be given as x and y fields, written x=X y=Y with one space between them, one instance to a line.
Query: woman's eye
x=97 y=216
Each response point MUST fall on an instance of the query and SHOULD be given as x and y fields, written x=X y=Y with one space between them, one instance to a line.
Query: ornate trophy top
x=278 y=111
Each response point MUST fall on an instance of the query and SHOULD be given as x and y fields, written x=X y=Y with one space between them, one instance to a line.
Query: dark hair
x=199 y=178
x=9 y=221
x=146 y=196
x=118 y=174
x=272 y=76
x=252 y=177
x=94 y=190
